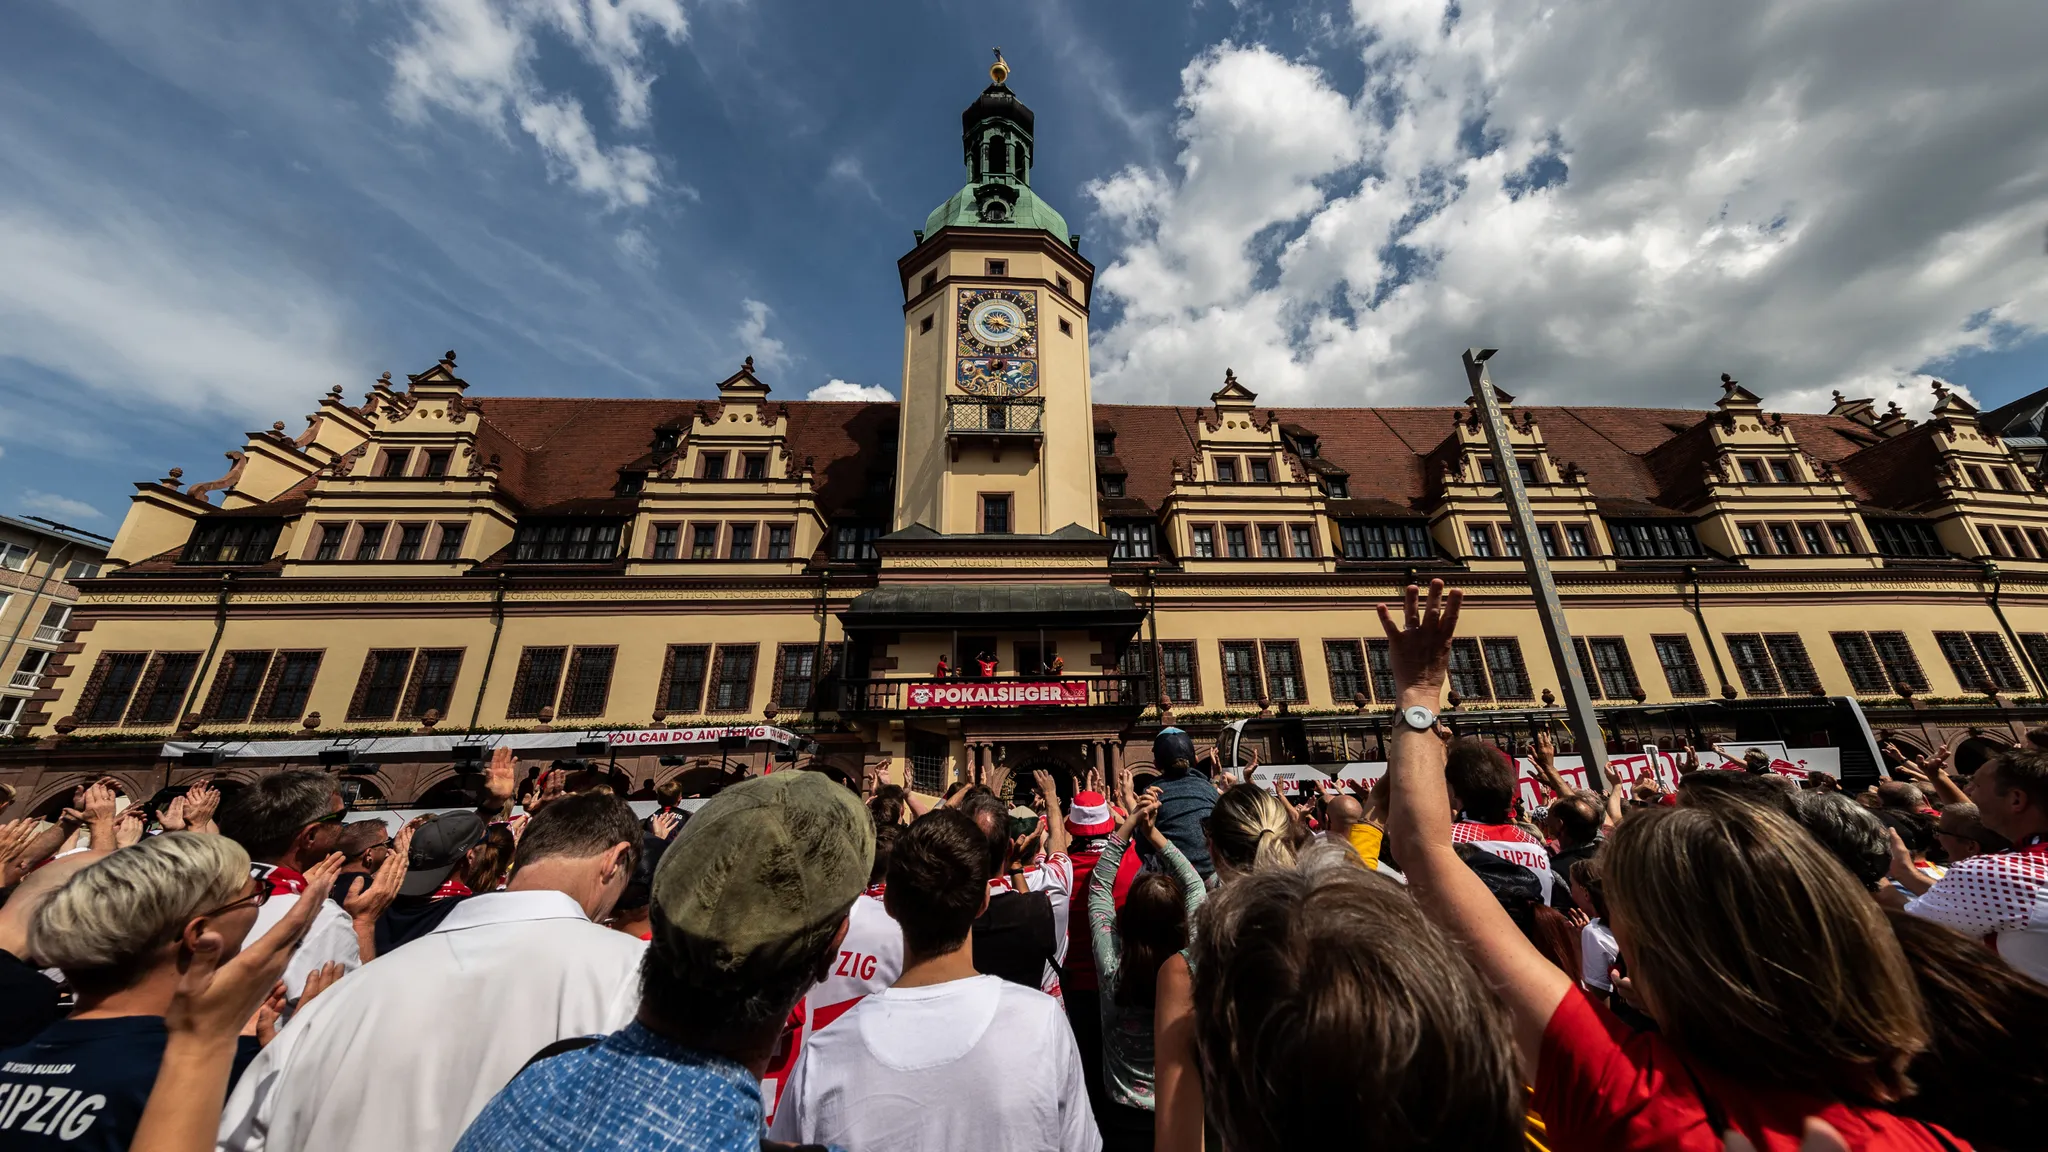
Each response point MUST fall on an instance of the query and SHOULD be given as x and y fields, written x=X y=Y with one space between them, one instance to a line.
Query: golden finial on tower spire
x=1000 y=70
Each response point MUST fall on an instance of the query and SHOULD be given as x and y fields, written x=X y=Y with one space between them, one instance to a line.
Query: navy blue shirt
x=1184 y=802
x=81 y=1084
x=29 y=1001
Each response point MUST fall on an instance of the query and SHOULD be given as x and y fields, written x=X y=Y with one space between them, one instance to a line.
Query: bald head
x=1345 y=814
x=32 y=891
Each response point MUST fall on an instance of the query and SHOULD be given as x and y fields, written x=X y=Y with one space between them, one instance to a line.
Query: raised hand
x=365 y=904
x=1578 y=918
x=498 y=781
x=173 y=815
x=997 y=779
x=1420 y=649
x=201 y=800
x=15 y=838
x=1048 y=792
x=1546 y=748
x=129 y=826
x=664 y=825
x=97 y=802
x=320 y=980
x=268 y=1015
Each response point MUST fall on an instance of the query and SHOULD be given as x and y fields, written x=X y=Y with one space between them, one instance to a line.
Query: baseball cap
x=438 y=848
x=1171 y=745
x=761 y=870
x=1089 y=815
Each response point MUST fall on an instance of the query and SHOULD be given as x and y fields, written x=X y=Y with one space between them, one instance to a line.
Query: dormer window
x=1300 y=444
x=1336 y=488
x=630 y=483
x=232 y=541
x=665 y=440
x=566 y=541
x=1112 y=486
x=1105 y=443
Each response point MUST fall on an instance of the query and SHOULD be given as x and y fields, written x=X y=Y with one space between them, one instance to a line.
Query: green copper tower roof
x=996 y=143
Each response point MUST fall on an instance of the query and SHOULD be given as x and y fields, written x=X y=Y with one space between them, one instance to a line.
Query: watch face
x=1418 y=716
x=997 y=323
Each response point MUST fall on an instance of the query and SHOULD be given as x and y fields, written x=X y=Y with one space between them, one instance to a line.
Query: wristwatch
x=1420 y=717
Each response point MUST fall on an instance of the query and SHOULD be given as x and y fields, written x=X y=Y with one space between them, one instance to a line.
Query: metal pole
x=1585 y=725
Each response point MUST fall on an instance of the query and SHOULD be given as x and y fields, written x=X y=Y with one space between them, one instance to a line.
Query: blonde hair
x=1760 y=955
x=105 y=925
x=1250 y=828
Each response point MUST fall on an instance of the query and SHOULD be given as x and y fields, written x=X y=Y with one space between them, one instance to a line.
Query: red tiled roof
x=565 y=454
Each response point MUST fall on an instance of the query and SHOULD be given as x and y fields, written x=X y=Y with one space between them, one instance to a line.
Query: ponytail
x=1251 y=828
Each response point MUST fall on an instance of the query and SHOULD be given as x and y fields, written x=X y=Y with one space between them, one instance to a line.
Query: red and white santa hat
x=1089 y=815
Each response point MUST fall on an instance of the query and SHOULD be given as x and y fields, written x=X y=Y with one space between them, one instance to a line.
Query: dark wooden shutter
x=221 y=674
x=93 y=683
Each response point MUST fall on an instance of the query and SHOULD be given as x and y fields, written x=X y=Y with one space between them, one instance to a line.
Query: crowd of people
x=1734 y=962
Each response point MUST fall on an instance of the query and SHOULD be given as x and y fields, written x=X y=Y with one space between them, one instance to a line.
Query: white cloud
x=1806 y=196
x=752 y=334
x=637 y=247
x=838 y=389
x=848 y=170
x=63 y=507
x=476 y=58
x=152 y=315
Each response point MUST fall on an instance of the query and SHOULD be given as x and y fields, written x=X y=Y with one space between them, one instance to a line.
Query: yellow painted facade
x=433 y=560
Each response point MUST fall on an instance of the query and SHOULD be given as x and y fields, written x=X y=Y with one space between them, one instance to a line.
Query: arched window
x=998 y=156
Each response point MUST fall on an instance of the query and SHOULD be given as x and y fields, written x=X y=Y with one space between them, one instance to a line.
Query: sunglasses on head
x=334 y=817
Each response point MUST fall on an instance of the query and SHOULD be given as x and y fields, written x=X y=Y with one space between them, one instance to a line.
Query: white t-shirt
x=1598 y=953
x=870 y=959
x=979 y=1063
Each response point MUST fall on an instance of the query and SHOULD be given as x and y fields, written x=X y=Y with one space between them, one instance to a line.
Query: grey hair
x=104 y=925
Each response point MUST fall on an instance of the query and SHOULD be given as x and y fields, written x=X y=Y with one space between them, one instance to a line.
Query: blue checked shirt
x=634 y=1091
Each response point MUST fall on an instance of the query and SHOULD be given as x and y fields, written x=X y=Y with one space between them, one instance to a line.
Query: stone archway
x=1024 y=789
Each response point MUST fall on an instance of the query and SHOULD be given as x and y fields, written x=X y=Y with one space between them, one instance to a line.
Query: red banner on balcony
x=998 y=694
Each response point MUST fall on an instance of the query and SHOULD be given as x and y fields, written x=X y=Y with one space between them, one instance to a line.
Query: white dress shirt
x=402 y=1054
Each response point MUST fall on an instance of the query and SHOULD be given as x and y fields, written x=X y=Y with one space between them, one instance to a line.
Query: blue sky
x=211 y=212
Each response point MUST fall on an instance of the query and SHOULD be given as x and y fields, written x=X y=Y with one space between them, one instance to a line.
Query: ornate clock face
x=997 y=323
x=998 y=348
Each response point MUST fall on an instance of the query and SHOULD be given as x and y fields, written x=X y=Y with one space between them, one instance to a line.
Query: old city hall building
x=438 y=559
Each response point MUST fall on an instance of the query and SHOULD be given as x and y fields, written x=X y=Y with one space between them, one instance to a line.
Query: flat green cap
x=762 y=870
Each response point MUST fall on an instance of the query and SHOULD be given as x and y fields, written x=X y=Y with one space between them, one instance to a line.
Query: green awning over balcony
x=992 y=606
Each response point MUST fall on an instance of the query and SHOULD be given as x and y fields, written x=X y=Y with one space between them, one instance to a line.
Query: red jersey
x=1600 y=1084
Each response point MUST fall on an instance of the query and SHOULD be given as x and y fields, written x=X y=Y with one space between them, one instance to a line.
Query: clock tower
x=998 y=427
